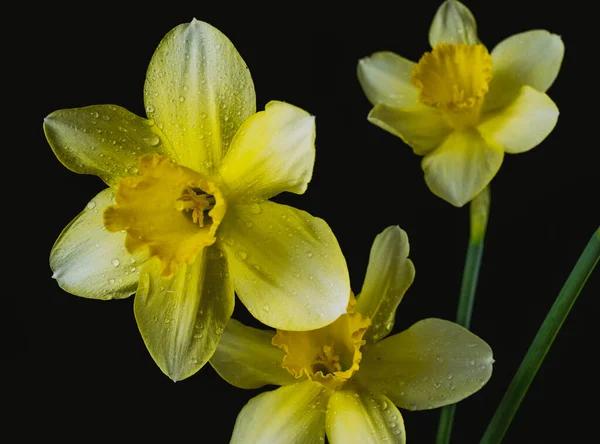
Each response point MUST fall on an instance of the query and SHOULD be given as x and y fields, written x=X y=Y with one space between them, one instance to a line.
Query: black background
x=78 y=368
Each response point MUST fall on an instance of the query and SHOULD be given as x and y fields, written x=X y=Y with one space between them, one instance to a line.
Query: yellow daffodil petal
x=105 y=140
x=246 y=358
x=292 y=414
x=385 y=78
x=523 y=124
x=199 y=91
x=363 y=417
x=433 y=363
x=181 y=319
x=274 y=151
x=422 y=128
x=462 y=166
x=91 y=262
x=453 y=23
x=389 y=274
x=286 y=265
x=529 y=58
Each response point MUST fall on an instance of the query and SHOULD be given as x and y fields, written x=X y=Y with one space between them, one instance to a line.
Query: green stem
x=480 y=208
x=542 y=342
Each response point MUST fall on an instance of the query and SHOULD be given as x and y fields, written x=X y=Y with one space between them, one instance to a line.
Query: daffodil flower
x=186 y=219
x=347 y=378
x=462 y=107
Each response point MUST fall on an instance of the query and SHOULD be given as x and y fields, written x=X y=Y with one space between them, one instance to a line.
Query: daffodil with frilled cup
x=186 y=219
x=346 y=379
x=462 y=107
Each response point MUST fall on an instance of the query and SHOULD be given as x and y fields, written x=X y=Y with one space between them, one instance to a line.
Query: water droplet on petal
x=115 y=262
x=91 y=205
x=241 y=255
x=94 y=114
x=266 y=308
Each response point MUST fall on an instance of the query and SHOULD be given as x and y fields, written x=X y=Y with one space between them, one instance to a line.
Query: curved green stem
x=480 y=210
x=542 y=342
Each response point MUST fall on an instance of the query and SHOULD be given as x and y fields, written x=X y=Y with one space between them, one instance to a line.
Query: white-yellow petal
x=363 y=417
x=274 y=151
x=433 y=363
x=105 y=140
x=422 y=128
x=523 y=124
x=246 y=358
x=286 y=265
x=453 y=23
x=385 y=78
x=294 y=414
x=462 y=166
x=530 y=58
x=182 y=318
x=91 y=262
x=389 y=274
x=199 y=91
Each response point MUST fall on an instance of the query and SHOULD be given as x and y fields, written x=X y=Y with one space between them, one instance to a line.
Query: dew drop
x=150 y=108
x=241 y=255
x=309 y=254
x=94 y=114
x=115 y=262
x=111 y=281
x=471 y=362
x=266 y=308
x=91 y=205
x=181 y=99
x=105 y=117
x=255 y=208
x=199 y=335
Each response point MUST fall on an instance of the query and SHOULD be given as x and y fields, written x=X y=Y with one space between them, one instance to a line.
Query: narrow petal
x=246 y=358
x=453 y=23
x=389 y=274
x=363 y=417
x=181 y=319
x=91 y=262
x=523 y=124
x=199 y=91
x=294 y=414
x=385 y=78
x=462 y=166
x=274 y=151
x=433 y=363
x=529 y=58
x=105 y=140
x=286 y=265
x=420 y=127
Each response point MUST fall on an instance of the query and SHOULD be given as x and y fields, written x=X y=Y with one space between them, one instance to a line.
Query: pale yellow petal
x=199 y=91
x=462 y=166
x=422 y=128
x=385 y=78
x=246 y=358
x=363 y=417
x=389 y=274
x=294 y=414
x=523 y=124
x=433 y=363
x=286 y=265
x=274 y=151
x=530 y=58
x=91 y=262
x=453 y=23
x=105 y=140
x=181 y=319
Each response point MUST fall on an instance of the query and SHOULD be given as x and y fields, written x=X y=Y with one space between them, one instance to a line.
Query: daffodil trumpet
x=462 y=107
x=186 y=219
x=346 y=380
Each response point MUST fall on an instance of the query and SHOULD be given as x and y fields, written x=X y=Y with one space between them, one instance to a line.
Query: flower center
x=328 y=355
x=454 y=78
x=170 y=209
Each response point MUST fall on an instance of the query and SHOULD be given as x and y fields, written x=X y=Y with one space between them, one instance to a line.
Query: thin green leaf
x=542 y=342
